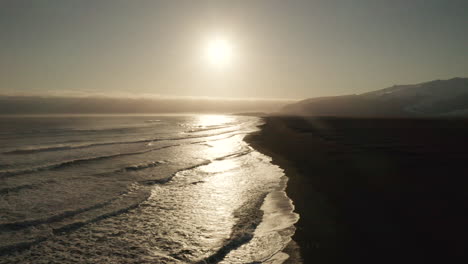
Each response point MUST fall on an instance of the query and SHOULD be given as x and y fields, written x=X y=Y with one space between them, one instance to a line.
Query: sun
x=219 y=52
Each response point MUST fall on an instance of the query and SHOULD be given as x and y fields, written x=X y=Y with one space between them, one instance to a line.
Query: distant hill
x=435 y=98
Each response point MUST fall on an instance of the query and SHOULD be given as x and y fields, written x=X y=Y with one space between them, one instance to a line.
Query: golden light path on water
x=205 y=121
x=224 y=203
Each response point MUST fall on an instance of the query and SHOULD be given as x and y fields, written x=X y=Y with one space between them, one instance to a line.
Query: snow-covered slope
x=435 y=98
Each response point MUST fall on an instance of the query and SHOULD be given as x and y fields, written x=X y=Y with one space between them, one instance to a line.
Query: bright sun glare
x=219 y=52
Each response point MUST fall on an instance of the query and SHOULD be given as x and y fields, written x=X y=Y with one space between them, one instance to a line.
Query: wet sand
x=373 y=190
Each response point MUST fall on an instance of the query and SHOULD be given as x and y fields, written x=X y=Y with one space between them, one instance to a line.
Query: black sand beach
x=374 y=190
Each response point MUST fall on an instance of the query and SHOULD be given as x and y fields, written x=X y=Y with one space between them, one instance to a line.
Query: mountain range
x=434 y=98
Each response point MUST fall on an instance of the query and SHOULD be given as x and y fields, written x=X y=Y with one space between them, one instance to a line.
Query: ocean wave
x=57 y=166
x=204 y=129
x=30 y=239
x=167 y=179
x=20 y=246
x=235 y=155
x=105 y=129
x=142 y=166
x=37 y=133
x=16 y=188
x=248 y=216
x=64 y=164
x=32 y=150
x=40 y=149
x=22 y=187
x=15 y=226
x=136 y=167
x=153 y=121
x=76 y=225
x=191 y=167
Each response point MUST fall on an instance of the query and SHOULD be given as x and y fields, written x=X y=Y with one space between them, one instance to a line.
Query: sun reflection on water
x=221 y=166
x=214 y=208
x=205 y=121
x=214 y=199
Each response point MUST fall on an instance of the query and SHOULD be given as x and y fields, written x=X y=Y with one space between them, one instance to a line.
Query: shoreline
x=372 y=190
x=302 y=248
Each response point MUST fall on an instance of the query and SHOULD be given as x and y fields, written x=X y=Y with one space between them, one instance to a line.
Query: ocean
x=139 y=189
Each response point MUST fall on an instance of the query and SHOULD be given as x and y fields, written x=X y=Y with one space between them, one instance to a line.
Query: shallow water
x=139 y=189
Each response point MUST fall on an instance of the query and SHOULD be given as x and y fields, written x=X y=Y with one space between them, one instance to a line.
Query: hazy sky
x=281 y=48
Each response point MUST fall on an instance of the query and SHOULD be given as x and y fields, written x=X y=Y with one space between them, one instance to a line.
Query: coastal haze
x=272 y=48
x=216 y=131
